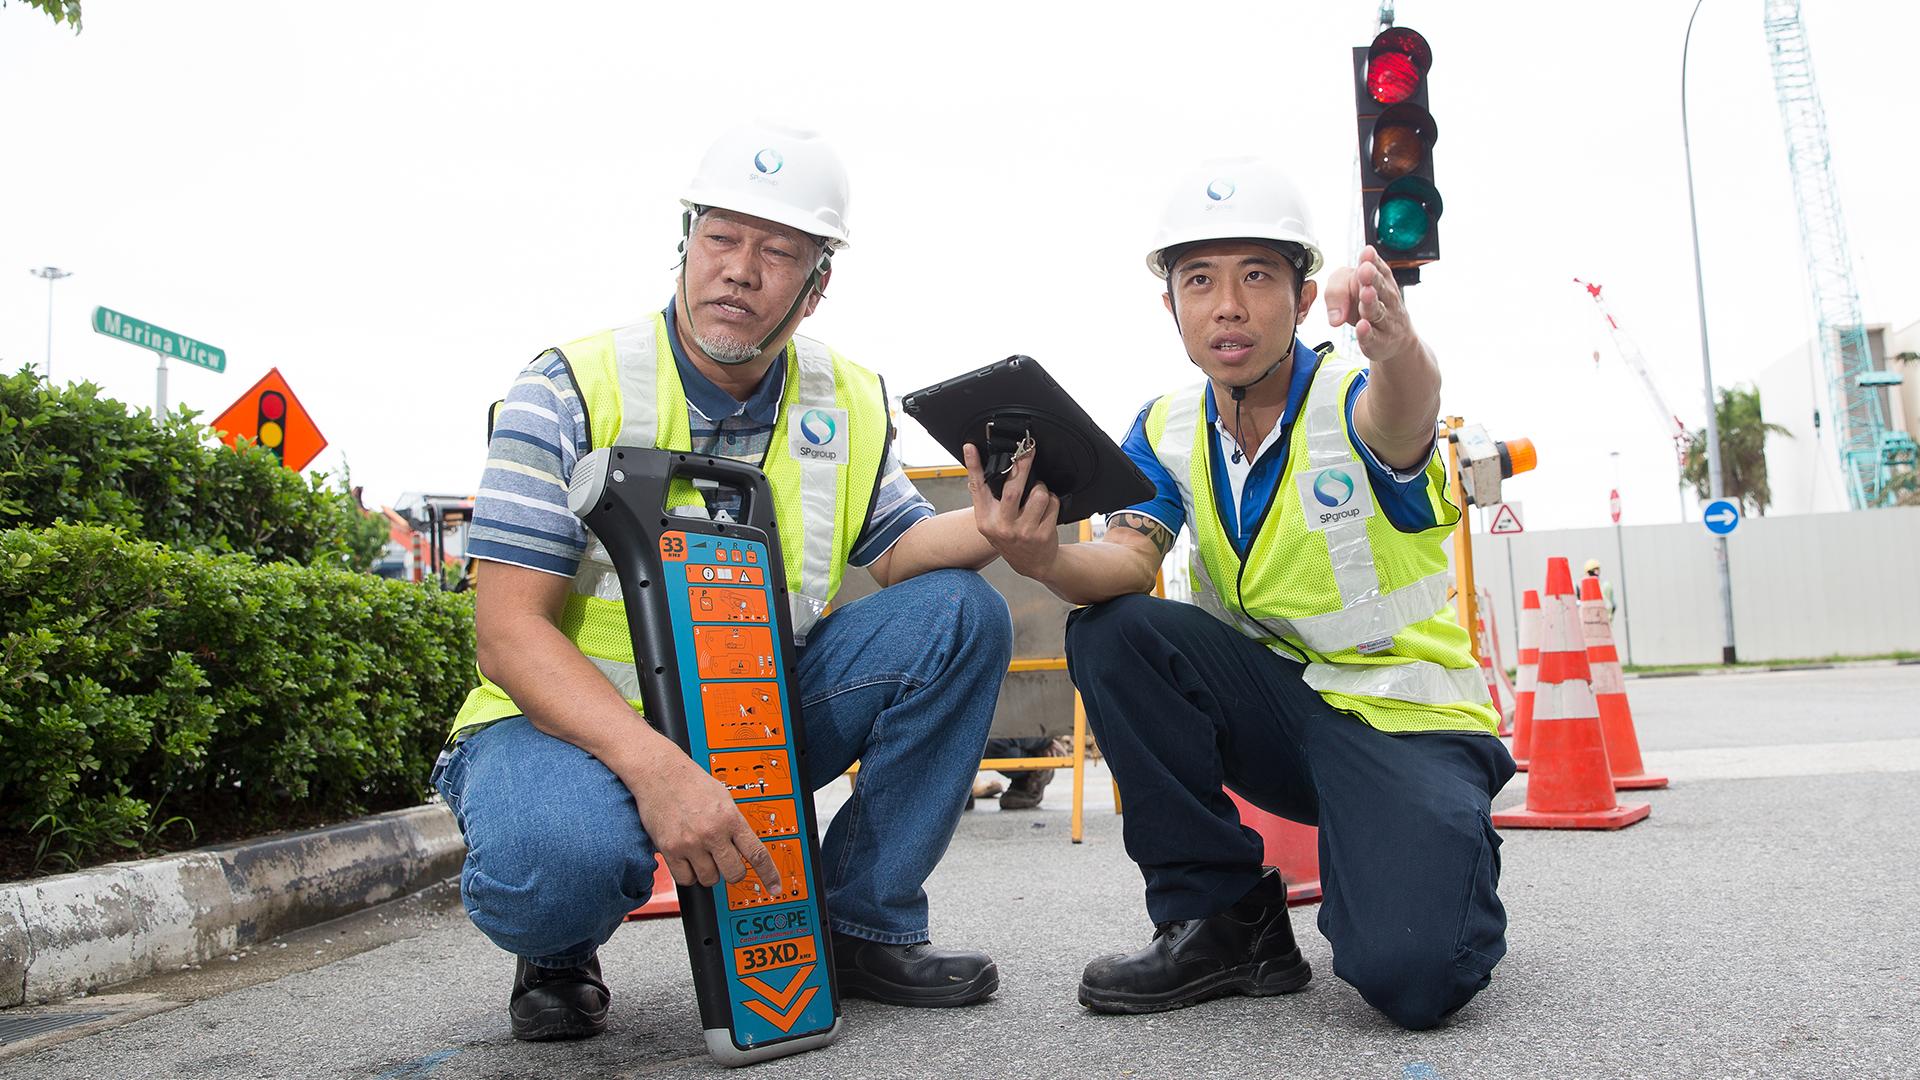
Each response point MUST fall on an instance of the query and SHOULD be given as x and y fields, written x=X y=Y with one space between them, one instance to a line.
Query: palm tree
x=1743 y=450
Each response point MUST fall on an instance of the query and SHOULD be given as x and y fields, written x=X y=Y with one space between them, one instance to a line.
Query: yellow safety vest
x=1346 y=592
x=630 y=387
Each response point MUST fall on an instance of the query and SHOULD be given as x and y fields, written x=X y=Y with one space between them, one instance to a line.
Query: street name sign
x=1721 y=516
x=165 y=342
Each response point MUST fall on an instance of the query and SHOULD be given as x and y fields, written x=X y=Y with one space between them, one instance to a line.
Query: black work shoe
x=1025 y=791
x=916 y=975
x=558 y=1003
x=1247 y=949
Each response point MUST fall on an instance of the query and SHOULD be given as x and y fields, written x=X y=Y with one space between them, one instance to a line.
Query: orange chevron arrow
x=783 y=1020
x=780 y=998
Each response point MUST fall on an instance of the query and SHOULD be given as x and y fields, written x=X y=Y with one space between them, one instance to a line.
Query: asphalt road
x=1759 y=924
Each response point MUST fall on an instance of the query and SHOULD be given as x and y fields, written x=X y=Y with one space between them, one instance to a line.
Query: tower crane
x=1630 y=352
x=1869 y=452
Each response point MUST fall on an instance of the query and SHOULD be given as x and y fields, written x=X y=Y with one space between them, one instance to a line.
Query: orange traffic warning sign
x=269 y=414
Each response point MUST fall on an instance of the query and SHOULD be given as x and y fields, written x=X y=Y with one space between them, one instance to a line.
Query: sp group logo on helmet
x=768 y=161
x=817 y=427
x=1221 y=189
x=1333 y=488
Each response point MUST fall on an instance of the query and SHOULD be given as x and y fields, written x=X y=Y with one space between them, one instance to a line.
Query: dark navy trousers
x=1183 y=705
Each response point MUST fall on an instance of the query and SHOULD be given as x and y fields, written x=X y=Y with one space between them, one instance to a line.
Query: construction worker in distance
x=563 y=791
x=1606 y=587
x=1312 y=674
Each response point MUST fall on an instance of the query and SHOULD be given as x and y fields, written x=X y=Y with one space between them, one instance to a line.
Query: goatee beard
x=729 y=351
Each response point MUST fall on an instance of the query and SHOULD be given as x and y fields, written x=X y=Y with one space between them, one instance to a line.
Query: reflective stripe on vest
x=635 y=352
x=630 y=387
x=1175 y=449
x=1367 y=612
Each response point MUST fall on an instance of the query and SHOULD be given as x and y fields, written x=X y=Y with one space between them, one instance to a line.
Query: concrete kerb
x=1754 y=669
x=75 y=933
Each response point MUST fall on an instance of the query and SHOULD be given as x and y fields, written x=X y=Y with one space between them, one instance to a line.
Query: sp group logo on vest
x=1334 y=496
x=1333 y=488
x=816 y=434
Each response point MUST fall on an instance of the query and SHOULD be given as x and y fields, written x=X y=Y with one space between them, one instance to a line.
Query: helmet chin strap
x=1238 y=393
x=820 y=268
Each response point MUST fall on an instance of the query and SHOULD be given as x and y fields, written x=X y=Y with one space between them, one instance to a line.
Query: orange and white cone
x=1486 y=672
x=1569 y=785
x=1529 y=678
x=1610 y=691
x=1291 y=848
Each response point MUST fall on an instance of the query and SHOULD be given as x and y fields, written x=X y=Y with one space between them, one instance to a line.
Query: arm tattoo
x=1145 y=526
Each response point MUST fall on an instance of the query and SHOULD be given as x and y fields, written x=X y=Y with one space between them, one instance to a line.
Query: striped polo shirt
x=520 y=515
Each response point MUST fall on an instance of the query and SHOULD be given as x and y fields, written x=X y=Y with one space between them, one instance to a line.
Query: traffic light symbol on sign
x=1400 y=204
x=270 y=415
x=273 y=423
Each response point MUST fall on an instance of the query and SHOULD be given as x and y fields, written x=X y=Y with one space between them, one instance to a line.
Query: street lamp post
x=52 y=274
x=1716 y=488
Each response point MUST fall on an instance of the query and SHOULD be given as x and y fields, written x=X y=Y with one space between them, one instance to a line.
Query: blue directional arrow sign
x=1722 y=516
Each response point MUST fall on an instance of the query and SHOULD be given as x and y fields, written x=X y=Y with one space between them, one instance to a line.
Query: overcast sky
x=399 y=205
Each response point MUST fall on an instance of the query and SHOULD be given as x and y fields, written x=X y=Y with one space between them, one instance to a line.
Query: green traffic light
x=1403 y=224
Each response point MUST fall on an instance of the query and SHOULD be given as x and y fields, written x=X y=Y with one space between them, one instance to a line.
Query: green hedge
x=138 y=682
x=68 y=454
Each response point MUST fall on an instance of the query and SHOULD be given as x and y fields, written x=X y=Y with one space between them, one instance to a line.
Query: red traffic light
x=1397 y=62
x=272 y=406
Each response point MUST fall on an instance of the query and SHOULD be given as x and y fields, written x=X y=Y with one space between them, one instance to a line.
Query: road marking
x=418 y=1067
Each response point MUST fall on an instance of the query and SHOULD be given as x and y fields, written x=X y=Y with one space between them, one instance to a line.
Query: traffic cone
x=1292 y=848
x=1529 y=668
x=1486 y=672
x=665 y=901
x=1569 y=785
x=1610 y=691
x=1499 y=654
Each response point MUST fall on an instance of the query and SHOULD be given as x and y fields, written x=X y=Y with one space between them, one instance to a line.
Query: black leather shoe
x=1025 y=791
x=558 y=1003
x=915 y=975
x=1247 y=949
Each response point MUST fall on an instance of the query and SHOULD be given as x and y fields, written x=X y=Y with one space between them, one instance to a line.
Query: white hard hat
x=1232 y=199
x=1592 y=565
x=786 y=175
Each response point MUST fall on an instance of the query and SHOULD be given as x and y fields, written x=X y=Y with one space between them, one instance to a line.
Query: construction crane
x=1630 y=352
x=1869 y=452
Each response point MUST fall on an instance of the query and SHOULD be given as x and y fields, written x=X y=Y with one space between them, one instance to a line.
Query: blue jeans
x=1183 y=705
x=903 y=681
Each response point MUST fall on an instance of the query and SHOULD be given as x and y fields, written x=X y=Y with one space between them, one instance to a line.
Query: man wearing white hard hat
x=1314 y=673
x=562 y=790
x=1592 y=570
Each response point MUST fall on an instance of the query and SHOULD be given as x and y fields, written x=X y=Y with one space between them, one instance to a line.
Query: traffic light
x=1398 y=200
x=273 y=422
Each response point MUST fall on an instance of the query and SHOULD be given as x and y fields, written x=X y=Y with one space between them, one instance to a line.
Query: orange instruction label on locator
x=742 y=714
x=748 y=892
x=734 y=652
x=753 y=774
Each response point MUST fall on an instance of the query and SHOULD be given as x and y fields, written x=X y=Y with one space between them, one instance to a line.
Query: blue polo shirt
x=1401 y=496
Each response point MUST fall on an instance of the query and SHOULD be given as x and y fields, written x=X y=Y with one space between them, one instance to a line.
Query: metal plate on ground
x=17 y=1028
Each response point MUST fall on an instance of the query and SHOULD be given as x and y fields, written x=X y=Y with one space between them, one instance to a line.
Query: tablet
x=1001 y=406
